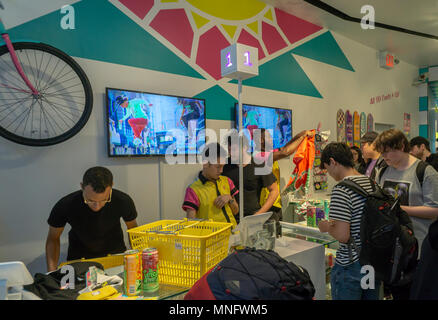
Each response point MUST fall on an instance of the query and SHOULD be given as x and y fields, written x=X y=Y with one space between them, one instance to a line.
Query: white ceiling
x=415 y=15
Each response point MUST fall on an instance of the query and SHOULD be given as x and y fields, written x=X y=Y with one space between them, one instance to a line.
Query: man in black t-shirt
x=420 y=148
x=253 y=182
x=94 y=216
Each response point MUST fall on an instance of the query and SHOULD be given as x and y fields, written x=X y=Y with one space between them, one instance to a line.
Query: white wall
x=33 y=179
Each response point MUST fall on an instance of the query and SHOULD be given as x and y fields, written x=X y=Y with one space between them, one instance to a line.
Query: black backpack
x=386 y=235
x=252 y=274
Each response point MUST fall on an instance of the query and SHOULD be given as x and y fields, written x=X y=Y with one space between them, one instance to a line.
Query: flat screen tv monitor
x=148 y=124
x=276 y=119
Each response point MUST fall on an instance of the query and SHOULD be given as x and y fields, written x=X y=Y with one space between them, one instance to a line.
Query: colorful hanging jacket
x=303 y=160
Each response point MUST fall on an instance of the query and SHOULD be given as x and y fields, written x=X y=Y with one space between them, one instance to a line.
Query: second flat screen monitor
x=275 y=119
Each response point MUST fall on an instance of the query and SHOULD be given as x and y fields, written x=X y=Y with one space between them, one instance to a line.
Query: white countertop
x=287 y=246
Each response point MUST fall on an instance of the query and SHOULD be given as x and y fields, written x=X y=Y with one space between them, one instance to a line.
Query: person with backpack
x=420 y=148
x=346 y=210
x=375 y=159
x=412 y=182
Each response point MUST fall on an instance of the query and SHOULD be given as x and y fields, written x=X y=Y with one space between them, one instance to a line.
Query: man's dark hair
x=369 y=137
x=212 y=148
x=392 y=139
x=99 y=178
x=418 y=141
x=340 y=152
x=245 y=141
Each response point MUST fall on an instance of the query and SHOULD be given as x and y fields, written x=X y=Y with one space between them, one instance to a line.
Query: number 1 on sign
x=247 y=59
x=229 y=63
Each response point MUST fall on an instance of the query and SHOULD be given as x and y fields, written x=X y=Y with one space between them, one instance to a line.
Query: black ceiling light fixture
x=332 y=10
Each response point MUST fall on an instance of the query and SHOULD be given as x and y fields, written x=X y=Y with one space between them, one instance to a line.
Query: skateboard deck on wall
x=349 y=128
x=340 y=126
x=363 y=124
x=356 y=129
x=370 y=123
x=319 y=176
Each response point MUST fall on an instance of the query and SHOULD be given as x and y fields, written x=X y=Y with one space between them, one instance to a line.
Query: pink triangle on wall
x=139 y=8
x=293 y=27
x=272 y=39
x=175 y=27
x=246 y=38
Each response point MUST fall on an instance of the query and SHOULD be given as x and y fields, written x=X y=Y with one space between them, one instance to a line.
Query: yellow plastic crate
x=186 y=248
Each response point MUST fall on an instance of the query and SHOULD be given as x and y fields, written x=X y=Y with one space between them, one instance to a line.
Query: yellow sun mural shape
x=197 y=30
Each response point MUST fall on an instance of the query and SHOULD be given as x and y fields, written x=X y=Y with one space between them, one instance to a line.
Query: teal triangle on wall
x=283 y=74
x=324 y=48
x=104 y=33
x=219 y=105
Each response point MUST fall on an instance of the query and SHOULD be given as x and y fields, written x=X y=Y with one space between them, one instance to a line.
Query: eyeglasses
x=90 y=202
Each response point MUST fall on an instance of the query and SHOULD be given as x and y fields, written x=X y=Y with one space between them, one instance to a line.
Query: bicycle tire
x=84 y=83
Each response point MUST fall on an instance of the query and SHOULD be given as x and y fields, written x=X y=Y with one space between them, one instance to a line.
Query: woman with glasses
x=94 y=214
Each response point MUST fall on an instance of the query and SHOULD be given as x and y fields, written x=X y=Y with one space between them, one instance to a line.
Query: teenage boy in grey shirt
x=400 y=179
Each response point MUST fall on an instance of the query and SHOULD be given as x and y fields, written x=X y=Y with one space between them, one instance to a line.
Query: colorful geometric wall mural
x=199 y=29
x=184 y=37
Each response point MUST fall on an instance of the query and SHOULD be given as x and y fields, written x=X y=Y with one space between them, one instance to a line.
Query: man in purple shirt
x=375 y=160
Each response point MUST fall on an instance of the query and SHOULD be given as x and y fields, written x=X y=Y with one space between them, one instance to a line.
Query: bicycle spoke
x=63 y=94
x=25 y=117
x=6 y=127
x=58 y=78
x=16 y=89
x=45 y=120
x=31 y=124
x=45 y=69
x=9 y=100
x=51 y=75
x=53 y=79
x=31 y=69
x=63 y=117
x=53 y=105
x=64 y=89
x=13 y=75
x=63 y=109
x=39 y=68
x=59 y=95
x=63 y=106
x=11 y=104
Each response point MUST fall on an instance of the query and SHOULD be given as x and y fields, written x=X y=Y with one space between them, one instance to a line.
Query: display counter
x=319 y=261
x=309 y=255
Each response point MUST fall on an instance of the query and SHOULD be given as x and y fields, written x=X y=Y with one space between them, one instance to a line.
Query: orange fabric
x=303 y=160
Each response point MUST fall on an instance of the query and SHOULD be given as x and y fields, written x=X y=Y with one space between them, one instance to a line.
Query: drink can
x=132 y=273
x=311 y=216
x=326 y=208
x=320 y=215
x=149 y=259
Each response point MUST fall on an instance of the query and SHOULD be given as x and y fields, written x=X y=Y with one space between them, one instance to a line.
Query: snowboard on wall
x=356 y=129
x=370 y=123
x=340 y=126
x=349 y=128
